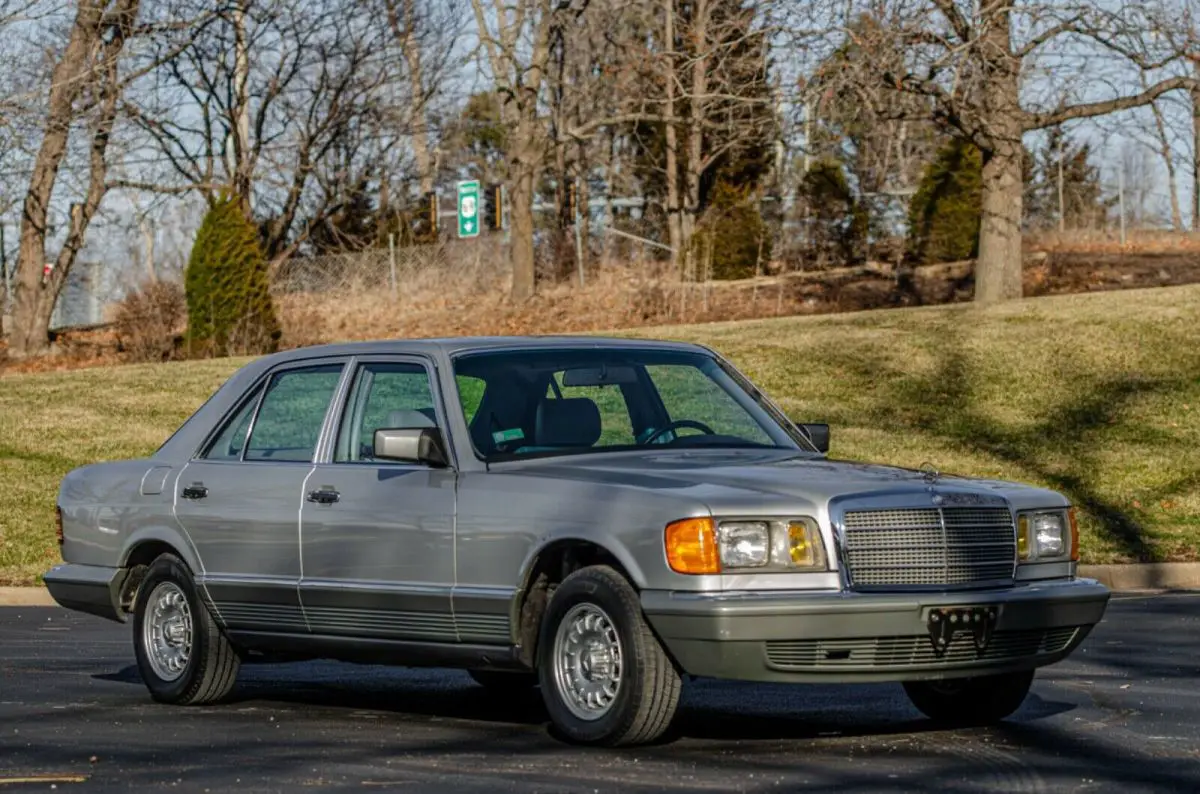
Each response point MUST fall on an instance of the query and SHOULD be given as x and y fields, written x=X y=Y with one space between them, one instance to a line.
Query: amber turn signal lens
x=1023 y=537
x=692 y=546
x=1074 y=522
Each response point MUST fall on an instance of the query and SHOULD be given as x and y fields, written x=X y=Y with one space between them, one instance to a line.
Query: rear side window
x=288 y=424
x=228 y=445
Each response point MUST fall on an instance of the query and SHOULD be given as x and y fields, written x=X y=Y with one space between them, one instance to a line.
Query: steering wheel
x=677 y=424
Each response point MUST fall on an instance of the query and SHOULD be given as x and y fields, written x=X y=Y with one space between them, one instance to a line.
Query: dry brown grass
x=476 y=302
x=1108 y=241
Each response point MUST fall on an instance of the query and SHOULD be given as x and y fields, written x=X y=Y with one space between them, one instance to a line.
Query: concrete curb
x=1145 y=576
x=25 y=597
x=1119 y=578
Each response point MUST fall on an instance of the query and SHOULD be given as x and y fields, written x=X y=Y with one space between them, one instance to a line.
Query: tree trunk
x=695 y=144
x=521 y=251
x=243 y=169
x=36 y=293
x=674 y=230
x=1164 y=151
x=998 y=269
x=1195 y=92
x=420 y=135
x=584 y=196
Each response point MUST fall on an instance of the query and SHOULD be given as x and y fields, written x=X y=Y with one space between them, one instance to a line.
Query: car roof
x=466 y=344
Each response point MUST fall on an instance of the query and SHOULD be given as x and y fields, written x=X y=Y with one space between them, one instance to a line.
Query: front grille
x=914 y=651
x=929 y=547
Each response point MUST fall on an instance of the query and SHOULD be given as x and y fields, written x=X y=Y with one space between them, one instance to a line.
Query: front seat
x=567 y=422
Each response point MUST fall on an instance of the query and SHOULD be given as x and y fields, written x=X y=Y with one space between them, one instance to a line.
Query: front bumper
x=88 y=588
x=859 y=637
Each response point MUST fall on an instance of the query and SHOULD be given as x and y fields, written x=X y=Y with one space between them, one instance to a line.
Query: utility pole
x=1121 y=197
x=808 y=135
x=4 y=276
x=1062 y=203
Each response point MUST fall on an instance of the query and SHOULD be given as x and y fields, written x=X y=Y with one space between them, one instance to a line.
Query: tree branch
x=1038 y=121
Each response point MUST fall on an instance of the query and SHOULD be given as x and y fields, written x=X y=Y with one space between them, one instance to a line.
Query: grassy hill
x=1095 y=395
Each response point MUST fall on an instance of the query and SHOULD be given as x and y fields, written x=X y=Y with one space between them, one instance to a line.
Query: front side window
x=384 y=396
x=573 y=401
x=288 y=424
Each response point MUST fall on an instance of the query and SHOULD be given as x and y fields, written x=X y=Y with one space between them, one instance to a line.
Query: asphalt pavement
x=1123 y=715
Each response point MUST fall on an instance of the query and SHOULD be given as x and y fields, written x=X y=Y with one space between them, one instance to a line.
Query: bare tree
x=971 y=61
x=1177 y=22
x=262 y=104
x=516 y=40
x=1163 y=147
x=518 y=43
x=425 y=32
x=86 y=85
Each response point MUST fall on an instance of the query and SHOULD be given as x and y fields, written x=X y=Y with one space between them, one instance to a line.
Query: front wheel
x=605 y=677
x=181 y=653
x=970 y=701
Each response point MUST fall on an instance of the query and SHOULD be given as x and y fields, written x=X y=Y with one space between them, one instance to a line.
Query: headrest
x=407 y=419
x=571 y=422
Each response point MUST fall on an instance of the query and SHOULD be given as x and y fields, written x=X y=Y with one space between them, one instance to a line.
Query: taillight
x=58 y=529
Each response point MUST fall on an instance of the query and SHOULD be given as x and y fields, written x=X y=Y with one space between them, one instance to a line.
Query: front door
x=377 y=537
x=239 y=500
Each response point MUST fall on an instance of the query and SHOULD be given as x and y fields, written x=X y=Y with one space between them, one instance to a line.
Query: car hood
x=738 y=479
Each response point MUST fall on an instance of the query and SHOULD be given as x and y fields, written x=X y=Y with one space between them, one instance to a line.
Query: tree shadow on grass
x=943 y=402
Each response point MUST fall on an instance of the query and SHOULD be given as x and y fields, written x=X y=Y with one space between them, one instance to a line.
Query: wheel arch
x=141 y=550
x=546 y=567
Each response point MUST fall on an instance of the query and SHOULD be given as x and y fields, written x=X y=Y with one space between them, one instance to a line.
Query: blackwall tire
x=183 y=657
x=605 y=678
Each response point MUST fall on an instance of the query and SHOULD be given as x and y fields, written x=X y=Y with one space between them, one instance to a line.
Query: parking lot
x=1123 y=715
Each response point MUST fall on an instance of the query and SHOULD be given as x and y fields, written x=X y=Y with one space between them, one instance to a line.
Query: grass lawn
x=1095 y=395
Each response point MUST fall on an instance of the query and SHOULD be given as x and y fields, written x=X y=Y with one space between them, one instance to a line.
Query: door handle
x=324 y=496
x=196 y=491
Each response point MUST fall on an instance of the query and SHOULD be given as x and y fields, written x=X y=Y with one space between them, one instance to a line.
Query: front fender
x=601 y=540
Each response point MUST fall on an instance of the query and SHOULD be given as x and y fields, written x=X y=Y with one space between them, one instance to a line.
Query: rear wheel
x=181 y=653
x=605 y=678
x=970 y=701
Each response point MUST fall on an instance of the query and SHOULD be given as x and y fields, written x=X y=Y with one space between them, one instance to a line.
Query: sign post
x=468 y=208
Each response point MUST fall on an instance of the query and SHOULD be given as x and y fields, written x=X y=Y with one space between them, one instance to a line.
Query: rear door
x=239 y=499
x=377 y=537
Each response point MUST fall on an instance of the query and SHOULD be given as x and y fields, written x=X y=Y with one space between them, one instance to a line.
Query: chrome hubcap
x=167 y=631
x=588 y=662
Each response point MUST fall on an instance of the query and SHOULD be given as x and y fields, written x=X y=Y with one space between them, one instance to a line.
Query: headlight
x=744 y=544
x=1047 y=535
x=702 y=546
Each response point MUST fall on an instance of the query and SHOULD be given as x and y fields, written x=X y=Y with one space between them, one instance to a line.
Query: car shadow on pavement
x=395 y=691
x=711 y=710
x=876 y=716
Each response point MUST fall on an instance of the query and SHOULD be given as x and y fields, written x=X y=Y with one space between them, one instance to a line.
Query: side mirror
x=818 y=434
x=412 y=445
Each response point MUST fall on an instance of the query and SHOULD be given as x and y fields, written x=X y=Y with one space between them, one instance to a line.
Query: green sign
x=468 y=208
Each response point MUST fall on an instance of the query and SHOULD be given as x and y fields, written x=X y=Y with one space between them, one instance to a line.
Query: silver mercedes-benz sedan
x=600 y=518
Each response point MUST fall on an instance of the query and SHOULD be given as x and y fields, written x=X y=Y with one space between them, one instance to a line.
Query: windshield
x=572 y=401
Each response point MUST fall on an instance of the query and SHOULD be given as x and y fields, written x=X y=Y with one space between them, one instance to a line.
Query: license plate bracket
x=945 y=623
